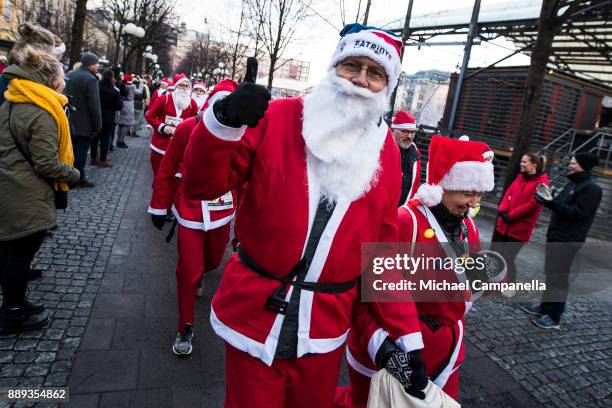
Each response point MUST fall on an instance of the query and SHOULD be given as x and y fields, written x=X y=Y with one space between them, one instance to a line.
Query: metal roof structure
x=582 y=47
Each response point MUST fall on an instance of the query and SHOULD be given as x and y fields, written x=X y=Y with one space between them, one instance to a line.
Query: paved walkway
x=110 y=290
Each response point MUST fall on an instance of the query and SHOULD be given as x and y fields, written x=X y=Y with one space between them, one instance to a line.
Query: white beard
x=404 y=144
x=182 y=99
x=343 y=137
x=200 y=99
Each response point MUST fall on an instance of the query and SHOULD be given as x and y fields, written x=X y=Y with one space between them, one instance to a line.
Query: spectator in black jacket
x=573 y=211
x=110 y=103
x=82 y=86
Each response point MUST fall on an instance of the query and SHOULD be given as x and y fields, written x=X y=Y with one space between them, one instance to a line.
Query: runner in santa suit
x=404 y=130
x=434 y=224
x=323 y=176
x=199 y=94
x=163 y=86
x=167 y=112
x=203 y=226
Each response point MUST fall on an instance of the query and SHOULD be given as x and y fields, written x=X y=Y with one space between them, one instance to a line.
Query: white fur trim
x=464 y=138
x=409 y=126
x=219 y=130
x=360 y=45
x=377 y=339
x=429 y=195
x=469 y=176
x=199 y=86
x=410 y=342
x=182 y=80
x=157 y=211
x=157 y=149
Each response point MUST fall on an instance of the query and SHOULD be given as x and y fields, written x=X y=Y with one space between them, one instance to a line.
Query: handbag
x=60 y=197
x=387 y=392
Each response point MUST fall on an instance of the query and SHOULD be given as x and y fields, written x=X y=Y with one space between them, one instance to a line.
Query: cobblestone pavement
x=110 y=290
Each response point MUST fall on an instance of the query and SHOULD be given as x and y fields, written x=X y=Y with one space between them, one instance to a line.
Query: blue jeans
x=80 y=145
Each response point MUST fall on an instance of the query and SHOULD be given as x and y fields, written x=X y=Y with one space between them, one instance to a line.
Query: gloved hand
x=407 y=368
x=168 y=130
x=504 y=216
x=543 y=194
x=158 y=221
x=245 y=106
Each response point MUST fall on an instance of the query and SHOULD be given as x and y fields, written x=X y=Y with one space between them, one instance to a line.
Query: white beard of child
x=182 y=99
x=200 y=99
x=342 y=136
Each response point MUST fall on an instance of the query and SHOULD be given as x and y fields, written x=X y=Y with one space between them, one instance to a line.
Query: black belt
x=276 y=301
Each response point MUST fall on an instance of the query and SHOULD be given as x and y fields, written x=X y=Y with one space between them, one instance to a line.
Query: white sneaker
x=182 y=344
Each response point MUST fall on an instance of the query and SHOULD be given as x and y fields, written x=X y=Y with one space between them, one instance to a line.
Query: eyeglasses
x=198 y=91
x=373 y=74
x=183 y=86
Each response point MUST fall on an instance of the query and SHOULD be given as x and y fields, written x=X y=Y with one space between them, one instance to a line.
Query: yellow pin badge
x=429 y=233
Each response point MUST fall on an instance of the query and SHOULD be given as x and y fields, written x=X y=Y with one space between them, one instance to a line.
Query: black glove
x=158 y=221
x=504 y=216
x=245 y=106
x=407 y=368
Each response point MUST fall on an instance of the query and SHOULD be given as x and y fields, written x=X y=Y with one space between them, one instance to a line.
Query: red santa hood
x=456 y=164
x=221 y=90
x=403 y=120
x=181 y=78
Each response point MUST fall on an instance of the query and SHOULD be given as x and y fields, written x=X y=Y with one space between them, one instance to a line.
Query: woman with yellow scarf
x=35 y=159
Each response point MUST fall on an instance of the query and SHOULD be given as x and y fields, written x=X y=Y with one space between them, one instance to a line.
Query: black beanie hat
x=586 y=160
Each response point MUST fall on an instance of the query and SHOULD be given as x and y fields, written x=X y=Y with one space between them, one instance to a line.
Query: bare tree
x=279 y=21
x=238 y=41
x=204 y=55
x=78 y=24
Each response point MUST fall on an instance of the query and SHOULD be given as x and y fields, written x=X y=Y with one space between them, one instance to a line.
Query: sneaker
x=547 y=322
x=182 y=344
x=532 y=309
x=17 y=320
x=202 y=286
x=104 y=164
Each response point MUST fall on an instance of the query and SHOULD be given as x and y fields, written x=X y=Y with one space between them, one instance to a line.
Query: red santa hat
x=221 y=90
x=456 y=164
x=181 y=78
x=165 y=80
x=372 y=42
x=200 y=85
x=403 y=120
x=128 y=78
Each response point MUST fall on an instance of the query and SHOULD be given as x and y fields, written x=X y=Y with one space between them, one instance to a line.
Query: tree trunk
x=271 y=72
x=548 y=26
x=78 y=24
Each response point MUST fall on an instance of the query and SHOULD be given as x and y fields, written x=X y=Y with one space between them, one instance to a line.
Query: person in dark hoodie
x=573 y=212
x=518 y=212
x=110 y=103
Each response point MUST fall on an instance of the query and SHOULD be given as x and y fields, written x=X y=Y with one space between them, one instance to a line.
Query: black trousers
x=508 y=248
x=80 y=146
x=103 y=140
x=15 y=259
x=558 y=262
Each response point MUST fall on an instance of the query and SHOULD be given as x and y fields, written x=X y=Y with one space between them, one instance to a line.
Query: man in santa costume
x=323 y=176
x=199 y=94
x=203 y=226
x=165 y=114
x=404 y=131
x=163 y=87
x=434 y=224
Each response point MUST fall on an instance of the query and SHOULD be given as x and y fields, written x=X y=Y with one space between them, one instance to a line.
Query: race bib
x=172 y=120
x=225 y=202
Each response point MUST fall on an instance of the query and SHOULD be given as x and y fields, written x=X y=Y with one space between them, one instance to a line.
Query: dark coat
x=574 y=209
x=521 y=206
x=110 y=102
x=82 y=90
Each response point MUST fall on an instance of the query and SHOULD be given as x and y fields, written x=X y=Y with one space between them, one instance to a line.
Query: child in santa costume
x=203 y=226
x=434 y=224
x=165 y=114
x=404 y=131
x=323 y=176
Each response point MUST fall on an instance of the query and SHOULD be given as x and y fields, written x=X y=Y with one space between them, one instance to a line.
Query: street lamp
x=220 y=72
x=126 y=31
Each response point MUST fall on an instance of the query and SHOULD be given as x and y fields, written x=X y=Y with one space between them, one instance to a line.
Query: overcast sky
x=316 y=39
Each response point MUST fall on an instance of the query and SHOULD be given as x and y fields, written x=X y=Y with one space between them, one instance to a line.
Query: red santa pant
x=307 y=382
x=199 y=252
x=156 y=160
x=438 y=347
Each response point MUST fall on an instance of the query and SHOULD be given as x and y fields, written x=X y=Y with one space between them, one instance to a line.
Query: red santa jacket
x=366 y=336
x=522 y=208
x=273 y=223
x=154 y=95
x=195 y=214
x=162 y=108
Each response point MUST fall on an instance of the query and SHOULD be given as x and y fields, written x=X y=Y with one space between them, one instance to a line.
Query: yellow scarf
x=24 y=91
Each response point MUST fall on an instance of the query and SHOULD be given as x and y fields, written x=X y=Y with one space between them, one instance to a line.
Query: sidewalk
x=110 y=290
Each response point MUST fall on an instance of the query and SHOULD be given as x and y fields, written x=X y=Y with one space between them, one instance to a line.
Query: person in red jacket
x=404 y=130
x=323 y=175
x=166 y=113
x=518 y=212
x=161 y=90
x=433 y=224
x=203 y=226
